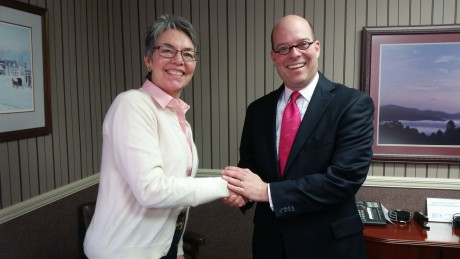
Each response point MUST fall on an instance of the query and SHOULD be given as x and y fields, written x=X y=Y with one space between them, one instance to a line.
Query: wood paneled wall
x=96 y=49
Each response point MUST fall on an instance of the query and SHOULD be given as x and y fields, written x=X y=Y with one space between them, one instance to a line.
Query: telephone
x=371 y=213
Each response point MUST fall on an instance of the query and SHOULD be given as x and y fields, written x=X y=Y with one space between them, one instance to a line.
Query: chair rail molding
x=42 y=200
x=37 y=202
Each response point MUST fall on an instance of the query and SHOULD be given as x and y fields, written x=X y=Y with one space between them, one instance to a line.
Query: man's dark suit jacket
x=314 y=214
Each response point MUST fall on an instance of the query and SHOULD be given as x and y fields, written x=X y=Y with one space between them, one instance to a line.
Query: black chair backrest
x=85 y=214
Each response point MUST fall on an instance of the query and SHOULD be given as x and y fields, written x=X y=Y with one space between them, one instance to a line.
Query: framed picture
x=413 y=77
x=24 y=71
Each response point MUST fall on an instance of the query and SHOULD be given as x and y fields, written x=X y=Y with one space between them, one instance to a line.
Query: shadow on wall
x=228 y=231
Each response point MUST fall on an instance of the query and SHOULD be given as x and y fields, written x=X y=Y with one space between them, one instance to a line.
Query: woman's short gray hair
x=167 y=22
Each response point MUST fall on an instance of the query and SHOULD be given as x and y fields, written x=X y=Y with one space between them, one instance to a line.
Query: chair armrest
x=192 y=243
x=194 y=238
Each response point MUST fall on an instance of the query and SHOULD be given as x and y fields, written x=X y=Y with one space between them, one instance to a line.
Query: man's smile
x=296 y=66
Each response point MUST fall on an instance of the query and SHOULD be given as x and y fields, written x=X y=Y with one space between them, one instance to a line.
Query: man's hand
x=246 y=183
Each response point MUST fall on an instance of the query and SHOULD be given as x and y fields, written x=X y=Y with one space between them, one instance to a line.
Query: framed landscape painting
x=24 y=71
x=413 y=77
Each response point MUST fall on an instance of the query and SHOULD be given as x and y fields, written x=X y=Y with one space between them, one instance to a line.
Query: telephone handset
x=371 y=213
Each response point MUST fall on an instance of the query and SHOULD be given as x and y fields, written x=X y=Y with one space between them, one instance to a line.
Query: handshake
x=243 y=186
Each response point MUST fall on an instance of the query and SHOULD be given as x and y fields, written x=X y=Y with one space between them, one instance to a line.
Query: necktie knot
x=294 y=96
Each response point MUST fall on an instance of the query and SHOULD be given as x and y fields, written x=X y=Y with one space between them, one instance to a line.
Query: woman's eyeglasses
x=168 y=52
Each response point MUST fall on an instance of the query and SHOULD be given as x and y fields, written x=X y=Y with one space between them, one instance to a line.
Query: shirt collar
x=306 y=92
x=164 y=99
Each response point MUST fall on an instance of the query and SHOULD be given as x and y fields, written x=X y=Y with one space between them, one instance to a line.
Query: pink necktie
x=289 y=126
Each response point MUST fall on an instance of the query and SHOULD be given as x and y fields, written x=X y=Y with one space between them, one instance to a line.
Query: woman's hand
x=235 y=200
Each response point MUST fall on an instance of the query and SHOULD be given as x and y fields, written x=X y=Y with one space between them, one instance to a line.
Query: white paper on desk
x=441 y=210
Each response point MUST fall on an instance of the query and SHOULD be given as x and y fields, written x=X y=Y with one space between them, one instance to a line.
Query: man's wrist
x=266 y=197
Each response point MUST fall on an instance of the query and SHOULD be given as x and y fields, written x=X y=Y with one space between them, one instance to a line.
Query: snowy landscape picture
x=25 y=107
x=16 y=82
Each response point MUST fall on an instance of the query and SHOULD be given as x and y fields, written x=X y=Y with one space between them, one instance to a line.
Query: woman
x=149 y=157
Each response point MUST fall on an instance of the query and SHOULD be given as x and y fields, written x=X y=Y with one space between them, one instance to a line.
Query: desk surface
x=439 y=234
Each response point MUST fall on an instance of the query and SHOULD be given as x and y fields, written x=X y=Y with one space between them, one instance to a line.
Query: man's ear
x=318 y=48
x=272 y=55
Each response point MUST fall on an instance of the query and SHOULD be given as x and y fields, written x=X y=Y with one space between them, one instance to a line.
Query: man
x=306 y=208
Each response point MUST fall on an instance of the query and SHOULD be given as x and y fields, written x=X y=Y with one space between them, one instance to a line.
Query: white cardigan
x=143 y=184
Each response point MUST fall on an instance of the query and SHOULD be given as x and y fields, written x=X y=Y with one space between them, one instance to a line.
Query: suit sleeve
x=246 y=149
x=348 y=158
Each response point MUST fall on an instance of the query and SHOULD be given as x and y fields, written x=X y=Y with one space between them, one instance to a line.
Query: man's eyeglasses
x=303 y=45
x=168 y=52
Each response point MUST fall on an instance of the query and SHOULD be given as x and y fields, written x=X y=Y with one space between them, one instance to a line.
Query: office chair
x=192 y=240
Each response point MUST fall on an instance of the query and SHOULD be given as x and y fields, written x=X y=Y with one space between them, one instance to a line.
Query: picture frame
x=413 y=76
x=25 y=102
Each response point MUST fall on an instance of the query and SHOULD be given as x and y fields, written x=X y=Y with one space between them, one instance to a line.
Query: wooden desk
x=411 y=241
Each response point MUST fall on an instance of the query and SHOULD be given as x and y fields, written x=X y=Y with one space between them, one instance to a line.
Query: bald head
x=288 y=20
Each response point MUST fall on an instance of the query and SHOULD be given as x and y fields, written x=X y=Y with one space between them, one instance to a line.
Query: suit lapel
x=271 y=111
x=318 y=104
